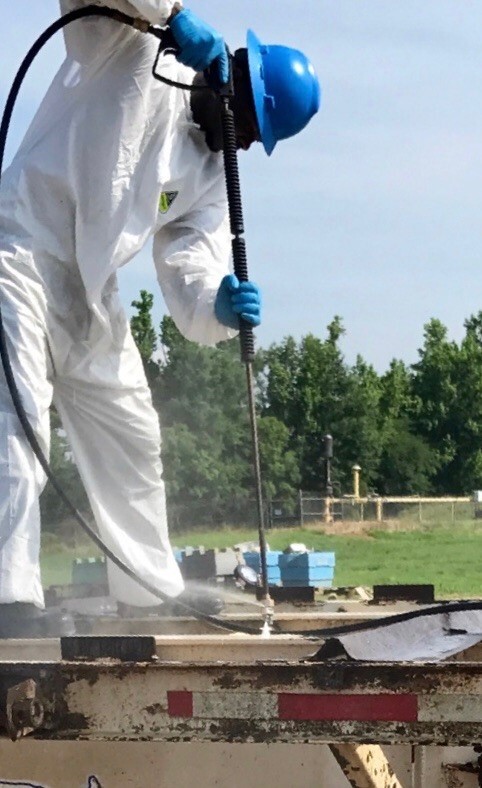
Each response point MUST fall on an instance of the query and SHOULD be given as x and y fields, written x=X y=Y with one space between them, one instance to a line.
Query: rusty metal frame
x=236 y=702
x=24 y=711
x=455 y=772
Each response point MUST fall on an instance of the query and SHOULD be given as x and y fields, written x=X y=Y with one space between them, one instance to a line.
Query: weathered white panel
x=236 y=705
x=160 y=765
x=457 y=708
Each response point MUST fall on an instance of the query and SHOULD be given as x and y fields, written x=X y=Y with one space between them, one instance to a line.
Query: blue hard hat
x=285 y=89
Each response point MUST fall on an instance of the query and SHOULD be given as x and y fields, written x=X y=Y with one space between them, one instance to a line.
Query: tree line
x=415 y=429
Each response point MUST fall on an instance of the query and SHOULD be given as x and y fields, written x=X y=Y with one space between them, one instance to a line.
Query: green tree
x=396 y=392
x=466 y=415
x=413 y=430
x=311 y=389
x=305 y=388
x=56 y=516
x=279 y=464
x=447 y=383
x=207 y=449
x=205 y=419
x=361 y=427
x=435 y=389
x=407 y=462
x=144 y=334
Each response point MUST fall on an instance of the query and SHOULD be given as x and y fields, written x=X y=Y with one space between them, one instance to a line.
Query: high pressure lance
x=246 y=334
x=225 y=93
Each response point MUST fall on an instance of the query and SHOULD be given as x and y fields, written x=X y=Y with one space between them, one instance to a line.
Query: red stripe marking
x=388 y=708
x=179 y=704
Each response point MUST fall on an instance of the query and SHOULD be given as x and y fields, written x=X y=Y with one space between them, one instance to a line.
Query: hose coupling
x=141 y=24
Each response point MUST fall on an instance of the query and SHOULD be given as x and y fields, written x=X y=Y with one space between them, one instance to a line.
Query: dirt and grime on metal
x=275 y=701
x=354 y=715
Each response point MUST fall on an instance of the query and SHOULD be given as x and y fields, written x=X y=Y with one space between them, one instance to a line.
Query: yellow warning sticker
x=166 y=200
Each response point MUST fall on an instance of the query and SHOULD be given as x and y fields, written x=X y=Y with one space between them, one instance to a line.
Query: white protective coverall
x=112 y=158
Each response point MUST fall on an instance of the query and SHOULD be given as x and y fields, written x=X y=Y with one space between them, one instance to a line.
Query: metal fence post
x=300 y=506
x=379 y=506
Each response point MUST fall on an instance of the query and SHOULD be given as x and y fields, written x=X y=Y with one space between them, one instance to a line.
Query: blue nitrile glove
x=236 y=299
x=199 y=44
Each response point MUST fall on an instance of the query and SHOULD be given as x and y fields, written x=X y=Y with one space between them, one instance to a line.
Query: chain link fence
x=311 y=507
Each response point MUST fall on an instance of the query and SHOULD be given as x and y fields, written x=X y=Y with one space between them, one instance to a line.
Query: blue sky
x=375 y=211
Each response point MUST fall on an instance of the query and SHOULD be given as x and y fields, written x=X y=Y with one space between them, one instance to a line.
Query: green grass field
x=447 y=556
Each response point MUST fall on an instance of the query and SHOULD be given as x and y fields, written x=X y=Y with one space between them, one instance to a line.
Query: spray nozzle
x=268 y=616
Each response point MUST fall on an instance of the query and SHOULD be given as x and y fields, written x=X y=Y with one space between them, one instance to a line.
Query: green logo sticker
x=166 y=200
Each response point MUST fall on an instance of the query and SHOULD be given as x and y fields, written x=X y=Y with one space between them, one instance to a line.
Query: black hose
x=398 y=618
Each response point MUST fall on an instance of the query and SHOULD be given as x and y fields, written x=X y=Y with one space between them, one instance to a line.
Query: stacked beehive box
x=315 y=569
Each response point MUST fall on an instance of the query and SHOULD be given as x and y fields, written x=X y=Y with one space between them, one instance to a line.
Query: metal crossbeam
x=264 y=702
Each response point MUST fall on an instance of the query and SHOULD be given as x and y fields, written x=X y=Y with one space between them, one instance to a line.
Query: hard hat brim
x=255 y=63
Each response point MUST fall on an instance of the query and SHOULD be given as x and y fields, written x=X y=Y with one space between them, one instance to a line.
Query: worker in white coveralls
x=112 y=159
